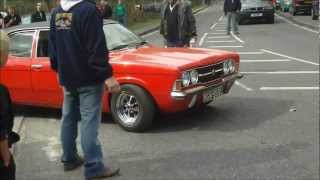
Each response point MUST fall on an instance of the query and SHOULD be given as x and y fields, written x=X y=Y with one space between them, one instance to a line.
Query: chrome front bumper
x=181 y=95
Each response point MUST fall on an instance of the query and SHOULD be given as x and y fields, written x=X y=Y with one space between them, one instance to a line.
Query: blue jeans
x=83 y=104
x=232 y=18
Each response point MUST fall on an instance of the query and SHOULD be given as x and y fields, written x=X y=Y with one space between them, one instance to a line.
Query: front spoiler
x=181 y=95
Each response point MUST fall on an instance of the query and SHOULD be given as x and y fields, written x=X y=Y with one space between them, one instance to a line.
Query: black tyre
x=133 y=108
x=271 y=20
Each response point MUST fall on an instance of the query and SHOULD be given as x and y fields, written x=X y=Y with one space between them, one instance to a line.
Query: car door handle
x=36 y=66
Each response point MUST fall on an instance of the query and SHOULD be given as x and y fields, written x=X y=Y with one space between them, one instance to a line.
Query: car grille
x=257 y=9
x=211 y=72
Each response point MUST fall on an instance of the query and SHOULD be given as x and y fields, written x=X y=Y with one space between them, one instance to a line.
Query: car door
x=16 y=75
x=44 y=80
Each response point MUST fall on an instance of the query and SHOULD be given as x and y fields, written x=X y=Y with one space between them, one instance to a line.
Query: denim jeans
x=83 y=104
x=232 y=20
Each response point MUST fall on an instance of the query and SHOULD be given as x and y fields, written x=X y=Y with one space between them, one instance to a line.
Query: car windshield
x=255 y=2
x=119 y=37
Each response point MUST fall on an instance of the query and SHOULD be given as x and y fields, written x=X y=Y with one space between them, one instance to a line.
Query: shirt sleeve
x=98 y=55
x=52 y=44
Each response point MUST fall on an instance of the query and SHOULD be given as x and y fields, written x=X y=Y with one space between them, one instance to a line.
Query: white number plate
x=256 y=14
x=212 y=94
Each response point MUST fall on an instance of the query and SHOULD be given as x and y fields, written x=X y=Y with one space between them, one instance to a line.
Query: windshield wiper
x=122 y=46
x=140 y=44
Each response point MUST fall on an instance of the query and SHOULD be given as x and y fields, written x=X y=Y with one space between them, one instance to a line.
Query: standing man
x=39 y=15
x=7 y=137
x=178 y=24
x=106 y=9
x=13 y=18
x=80 y=57
x=120 y=12
x=231 y=10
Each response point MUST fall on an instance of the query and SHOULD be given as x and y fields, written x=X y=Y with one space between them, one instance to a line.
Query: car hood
x=173 y=58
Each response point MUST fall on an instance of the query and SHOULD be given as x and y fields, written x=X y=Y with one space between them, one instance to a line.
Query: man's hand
x=5 y=152
x=112 y=85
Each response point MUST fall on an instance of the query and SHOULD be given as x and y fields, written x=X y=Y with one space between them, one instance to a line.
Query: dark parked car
x=256 y=10
x=315 y=9
x=298 y=6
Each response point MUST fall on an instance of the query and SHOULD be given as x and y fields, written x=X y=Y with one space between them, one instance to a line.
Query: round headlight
x=194 y=76
x=226 y=67
x=231 y=66
x=186 y=79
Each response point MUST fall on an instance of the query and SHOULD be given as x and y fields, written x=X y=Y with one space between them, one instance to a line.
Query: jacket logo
x=63 y=21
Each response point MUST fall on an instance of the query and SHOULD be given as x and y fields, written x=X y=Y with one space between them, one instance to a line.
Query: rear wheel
x=133 y=108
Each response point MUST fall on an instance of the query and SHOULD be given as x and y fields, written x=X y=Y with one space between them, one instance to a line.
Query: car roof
x=41 y=25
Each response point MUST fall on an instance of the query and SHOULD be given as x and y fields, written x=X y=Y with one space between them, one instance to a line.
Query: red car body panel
x=32 y=82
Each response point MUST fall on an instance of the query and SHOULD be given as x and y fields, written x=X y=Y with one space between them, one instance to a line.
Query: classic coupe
x=152 y=79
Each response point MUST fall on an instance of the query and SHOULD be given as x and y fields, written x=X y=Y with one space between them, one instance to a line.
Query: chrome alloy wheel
x=128 y=108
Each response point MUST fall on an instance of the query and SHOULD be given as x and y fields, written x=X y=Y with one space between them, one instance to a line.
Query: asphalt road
x=267 y=127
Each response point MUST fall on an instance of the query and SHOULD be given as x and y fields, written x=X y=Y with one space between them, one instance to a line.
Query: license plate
x=256 y=14
x=212 y=94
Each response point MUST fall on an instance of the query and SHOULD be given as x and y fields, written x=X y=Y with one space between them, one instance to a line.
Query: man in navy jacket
x=79 y=55
x=231 y=9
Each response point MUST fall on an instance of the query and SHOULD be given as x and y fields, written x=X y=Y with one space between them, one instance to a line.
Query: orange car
x=152 y=78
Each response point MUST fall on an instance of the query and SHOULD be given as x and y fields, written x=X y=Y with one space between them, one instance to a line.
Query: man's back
x=78 y=47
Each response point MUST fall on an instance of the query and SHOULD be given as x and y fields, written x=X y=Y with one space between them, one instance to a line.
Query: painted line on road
x=220 y=19
x=283 y=72
x=221 y=30
x=219 y=37
x=294 y=24
x=237 y=38
x=293 y=58
x=217 y=33
x=260 y=61
x=213 y=26
x=150 y=34
x=202 y=39
x=287 y=88
x=250 y=53
x=220 y=41
x=243 y=86
x=225 y=46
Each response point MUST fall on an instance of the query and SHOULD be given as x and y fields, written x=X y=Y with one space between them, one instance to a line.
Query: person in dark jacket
x=39 y=15
x=178 y=24
x=13 y=18
x=7 y=164
x=231 y=10
x=106 y=9
x=79 y=54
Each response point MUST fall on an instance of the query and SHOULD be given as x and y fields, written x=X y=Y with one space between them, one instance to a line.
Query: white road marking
x=213 y=26
x=266 y=60
x=202 y=39
x=221 y=41
x=220 y=19
x=293 y=58
x=150 y=34
x=243 y=86
x=217 y=33
x=283 y=72
x=287 y=88
x=250 y=53
x=294 y=24
x=221 y=30
x=225 y=46
x=237 y=38
x=218 y=37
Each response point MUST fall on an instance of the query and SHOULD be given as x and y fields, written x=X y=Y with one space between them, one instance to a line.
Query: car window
x=21 y=44
x=42 y=48
x=117 y=35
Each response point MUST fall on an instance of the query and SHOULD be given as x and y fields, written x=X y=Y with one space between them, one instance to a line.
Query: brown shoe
x=108 y=172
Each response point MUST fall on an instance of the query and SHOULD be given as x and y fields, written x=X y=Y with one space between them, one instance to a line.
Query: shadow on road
x=228 y=114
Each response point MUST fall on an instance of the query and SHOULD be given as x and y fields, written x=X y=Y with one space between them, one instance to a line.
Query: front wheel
x=133 y=108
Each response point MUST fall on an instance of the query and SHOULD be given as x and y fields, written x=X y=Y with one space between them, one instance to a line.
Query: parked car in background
x=298 y=6
x=285 y=5
x=315 y=10
x=152 y=79
x=256 y=10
